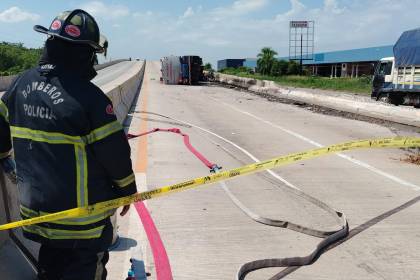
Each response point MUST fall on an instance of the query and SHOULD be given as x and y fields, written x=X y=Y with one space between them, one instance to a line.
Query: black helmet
x=75 y=26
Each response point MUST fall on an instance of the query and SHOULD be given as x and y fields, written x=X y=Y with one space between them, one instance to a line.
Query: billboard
x=301 y=40
x=299 y=24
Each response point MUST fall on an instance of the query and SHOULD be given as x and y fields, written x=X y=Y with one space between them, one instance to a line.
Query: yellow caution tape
x=397 y=142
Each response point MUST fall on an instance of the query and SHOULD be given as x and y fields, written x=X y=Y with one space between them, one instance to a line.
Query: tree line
x=269 y=65
x=15 y=58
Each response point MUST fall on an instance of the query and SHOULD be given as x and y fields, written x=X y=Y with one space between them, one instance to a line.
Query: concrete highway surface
x=207 y=237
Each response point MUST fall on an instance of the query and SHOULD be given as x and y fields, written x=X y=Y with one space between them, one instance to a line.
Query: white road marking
x=275 y=175
x=143 y=241
x=316 y=144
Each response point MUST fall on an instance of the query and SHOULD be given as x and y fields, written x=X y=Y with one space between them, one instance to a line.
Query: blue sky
x=218 y=29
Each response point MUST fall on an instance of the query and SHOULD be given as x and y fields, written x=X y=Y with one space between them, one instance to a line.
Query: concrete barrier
x=107 y=64
x=12 y=243
x=122 y=91
x=3 y=219
x=342 y=102
x=6 y=81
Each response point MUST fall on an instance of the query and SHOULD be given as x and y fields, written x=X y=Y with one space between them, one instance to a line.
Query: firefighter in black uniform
x=69 y=148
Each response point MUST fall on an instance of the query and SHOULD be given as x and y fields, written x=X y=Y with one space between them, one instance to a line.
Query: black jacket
x=70 y=151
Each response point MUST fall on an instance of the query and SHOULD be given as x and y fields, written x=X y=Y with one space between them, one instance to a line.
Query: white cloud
x=99 y=9
x=246 y=6
x=343 y=25
x=15 y=14
x=216 y=42
x=188 y=13
x=297 y=7
x=216 y=33
x=140 y=15
x=332 y=6
x=241 y=7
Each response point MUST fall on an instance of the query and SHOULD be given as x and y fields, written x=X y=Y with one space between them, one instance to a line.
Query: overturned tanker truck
x=187 y=70
x=397 y=79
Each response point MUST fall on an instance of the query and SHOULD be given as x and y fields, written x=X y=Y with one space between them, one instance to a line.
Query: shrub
x=15 y=58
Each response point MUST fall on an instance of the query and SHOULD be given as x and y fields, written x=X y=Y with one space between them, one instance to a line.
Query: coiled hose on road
x=329 y=237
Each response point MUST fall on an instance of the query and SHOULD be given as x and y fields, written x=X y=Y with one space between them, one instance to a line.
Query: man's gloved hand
x=9 y=167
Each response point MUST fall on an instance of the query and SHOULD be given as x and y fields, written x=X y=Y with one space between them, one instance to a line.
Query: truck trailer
x=171 y=70
x=187 y=70
x=397 y=79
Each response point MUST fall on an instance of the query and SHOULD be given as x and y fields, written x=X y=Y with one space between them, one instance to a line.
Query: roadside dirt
x=412 y=155
x=395 y=127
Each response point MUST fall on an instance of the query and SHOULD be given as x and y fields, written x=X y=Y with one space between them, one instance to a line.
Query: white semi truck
x=397 y=79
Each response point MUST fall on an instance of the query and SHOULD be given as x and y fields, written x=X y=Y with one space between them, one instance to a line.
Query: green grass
x=360 y=85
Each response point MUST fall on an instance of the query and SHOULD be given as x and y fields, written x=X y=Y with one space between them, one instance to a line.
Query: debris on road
x=412 y=157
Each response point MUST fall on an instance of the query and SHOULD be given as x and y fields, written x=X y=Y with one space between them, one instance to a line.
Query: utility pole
x=301 y=55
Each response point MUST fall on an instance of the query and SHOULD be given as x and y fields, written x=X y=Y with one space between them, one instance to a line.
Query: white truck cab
x=383 y=78
x=385 y=68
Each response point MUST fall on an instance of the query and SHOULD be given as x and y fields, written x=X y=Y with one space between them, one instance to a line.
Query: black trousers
x=72 y=264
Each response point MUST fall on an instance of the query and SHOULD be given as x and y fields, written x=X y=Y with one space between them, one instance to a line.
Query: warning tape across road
x=397 y=142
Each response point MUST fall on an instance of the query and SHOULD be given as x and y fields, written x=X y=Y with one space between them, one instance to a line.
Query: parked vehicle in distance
x=397 y=79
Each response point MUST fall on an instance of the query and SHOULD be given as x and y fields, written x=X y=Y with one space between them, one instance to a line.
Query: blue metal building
x=351 y=56
x=250 y=63
x=227 y=63
x=345 y=63
x=348 y=63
